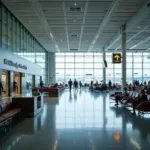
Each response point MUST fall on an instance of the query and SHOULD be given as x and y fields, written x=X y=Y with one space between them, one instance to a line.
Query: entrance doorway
x=16 y=83
x=5 y=84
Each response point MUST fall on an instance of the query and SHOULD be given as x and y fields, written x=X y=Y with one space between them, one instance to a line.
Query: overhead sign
x=116 y=58
x=14 y=64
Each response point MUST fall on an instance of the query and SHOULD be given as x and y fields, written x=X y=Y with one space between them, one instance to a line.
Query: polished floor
x=80 y=121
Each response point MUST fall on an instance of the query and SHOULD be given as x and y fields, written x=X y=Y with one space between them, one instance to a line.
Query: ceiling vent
x=73 y=49
x=75 y=9
x=73 y=35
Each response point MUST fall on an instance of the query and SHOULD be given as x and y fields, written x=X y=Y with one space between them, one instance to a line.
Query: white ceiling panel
x=75 y=24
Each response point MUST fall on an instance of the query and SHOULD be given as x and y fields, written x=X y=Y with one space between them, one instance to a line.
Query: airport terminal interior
x=74 y=74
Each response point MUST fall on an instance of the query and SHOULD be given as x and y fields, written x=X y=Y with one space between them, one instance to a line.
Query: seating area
x=7 y=113
x=142 y=108
x=52 y=91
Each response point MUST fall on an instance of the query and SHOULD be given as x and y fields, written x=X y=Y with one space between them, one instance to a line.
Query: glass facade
x=16 y=38
x=88 y=67
x=81 y=66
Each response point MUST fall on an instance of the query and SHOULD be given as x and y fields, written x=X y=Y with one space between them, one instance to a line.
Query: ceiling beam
x=129 y=50
x=140 y=43
x=83 y=22
x=66 y=26
x=147 y=49
x=43 y=20
x=131 y=38
x=104 y=23
x=132 y=23
x=115 y=39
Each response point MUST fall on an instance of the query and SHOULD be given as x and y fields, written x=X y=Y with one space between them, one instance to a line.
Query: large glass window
x=16 y=38
x=89 y=66
x=81 y=66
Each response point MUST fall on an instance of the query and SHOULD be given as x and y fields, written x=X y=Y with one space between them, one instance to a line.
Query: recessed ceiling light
x=51 y=35
x=133 y=47
x=93 y=42
x=75 y=4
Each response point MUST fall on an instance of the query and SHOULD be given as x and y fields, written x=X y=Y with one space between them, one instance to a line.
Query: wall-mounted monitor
x=105 y=63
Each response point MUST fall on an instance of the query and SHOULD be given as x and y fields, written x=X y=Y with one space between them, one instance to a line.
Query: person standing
x=41 y=84
x=110 y=84
x=70 y=84
x=15 y=86
x=1 y=89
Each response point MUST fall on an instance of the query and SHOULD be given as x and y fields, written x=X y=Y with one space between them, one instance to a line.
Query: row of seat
x=7 y=112
x=143 y=107
x=52 y=91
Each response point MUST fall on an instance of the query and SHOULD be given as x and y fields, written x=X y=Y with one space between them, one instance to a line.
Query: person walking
x=70 y=84
x=75 y=84
x=80 y=84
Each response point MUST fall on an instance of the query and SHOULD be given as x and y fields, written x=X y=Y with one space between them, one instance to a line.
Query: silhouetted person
x=130 y=87
x=75 y=84
x=110 y=84
x=1 y=88
x=70 y=84
x=15 y=86
x=41 y=84
x=80 y=84
x=145 y=83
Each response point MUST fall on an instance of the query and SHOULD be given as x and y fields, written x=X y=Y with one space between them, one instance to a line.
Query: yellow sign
x=116 y=58
x=117 y=137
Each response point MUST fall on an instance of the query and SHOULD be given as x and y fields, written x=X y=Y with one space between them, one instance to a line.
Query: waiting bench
x=142 y=108
x=52 y=92
x=7 y=112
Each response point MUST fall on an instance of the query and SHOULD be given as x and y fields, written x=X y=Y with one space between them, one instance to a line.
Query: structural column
x=51 y=68
x=1 y=83
x=104 y=68
x=0 y=24
x=123 y=57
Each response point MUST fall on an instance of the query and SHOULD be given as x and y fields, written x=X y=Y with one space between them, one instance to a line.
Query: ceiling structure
x=85 y=26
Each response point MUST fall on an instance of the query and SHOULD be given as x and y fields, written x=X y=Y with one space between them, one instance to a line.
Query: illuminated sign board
x=116 y=58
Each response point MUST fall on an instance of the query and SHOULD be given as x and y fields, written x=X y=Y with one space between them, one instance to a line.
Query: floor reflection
x=81 y=120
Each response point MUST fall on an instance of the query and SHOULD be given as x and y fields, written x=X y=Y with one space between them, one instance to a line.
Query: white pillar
x=123 y=57
x=104 y=68
x=0 y=24
x=51 y=68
